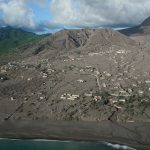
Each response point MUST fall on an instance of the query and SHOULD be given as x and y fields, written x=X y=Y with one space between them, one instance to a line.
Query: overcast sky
x=52 y=15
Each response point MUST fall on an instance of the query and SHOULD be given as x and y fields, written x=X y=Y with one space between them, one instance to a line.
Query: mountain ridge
x=142 y=29
x=12 y=39
x=69 y=40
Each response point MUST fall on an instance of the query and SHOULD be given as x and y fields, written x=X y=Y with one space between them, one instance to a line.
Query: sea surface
x=6 y=144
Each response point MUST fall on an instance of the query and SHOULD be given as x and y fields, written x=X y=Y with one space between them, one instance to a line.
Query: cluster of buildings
x=22 y=65
x=71 y=97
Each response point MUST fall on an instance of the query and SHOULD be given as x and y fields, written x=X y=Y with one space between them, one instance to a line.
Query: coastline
x=135 y=135
x=115 y=146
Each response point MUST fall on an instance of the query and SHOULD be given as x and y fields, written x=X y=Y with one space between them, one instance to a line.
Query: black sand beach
x=135 y=135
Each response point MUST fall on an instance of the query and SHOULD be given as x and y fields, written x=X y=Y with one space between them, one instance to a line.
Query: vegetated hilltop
x=12 y=39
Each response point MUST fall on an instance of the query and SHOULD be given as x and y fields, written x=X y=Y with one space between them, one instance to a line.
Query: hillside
x=12 y=39
x=75 y=70
x=82 y=41
x=88 y=75
x=142 y=29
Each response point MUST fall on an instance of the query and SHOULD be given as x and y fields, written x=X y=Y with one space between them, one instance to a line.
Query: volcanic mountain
x=87 y=75
x=142 y=29
x=85 y=39
x=72 y=70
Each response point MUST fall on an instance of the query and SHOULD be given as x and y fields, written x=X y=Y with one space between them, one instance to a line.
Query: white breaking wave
x=46 y=140
x=9 y=139
x=117 y=146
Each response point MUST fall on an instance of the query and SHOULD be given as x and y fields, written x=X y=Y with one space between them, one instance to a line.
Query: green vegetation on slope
x=12 y=39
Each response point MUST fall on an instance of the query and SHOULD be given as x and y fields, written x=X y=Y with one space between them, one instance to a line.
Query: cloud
x=72 y=13
x=46 y=26
x=39 y=2
x=92 y=13
x=16 y=13
x=1 y=22
x=19 y=13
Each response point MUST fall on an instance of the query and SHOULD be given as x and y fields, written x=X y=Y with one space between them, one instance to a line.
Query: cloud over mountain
x=29 y=14
x=100 y=12
x=16 y=13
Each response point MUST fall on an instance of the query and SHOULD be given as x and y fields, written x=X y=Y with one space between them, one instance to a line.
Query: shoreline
x=114 y=145
x=130 y=134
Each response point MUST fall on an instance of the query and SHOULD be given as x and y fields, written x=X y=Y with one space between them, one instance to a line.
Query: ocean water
x=6 y=144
